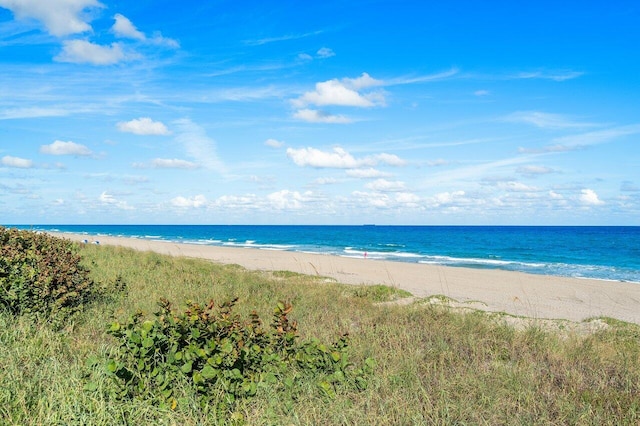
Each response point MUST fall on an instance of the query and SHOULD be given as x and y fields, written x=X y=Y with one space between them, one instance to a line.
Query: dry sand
x=516 y=293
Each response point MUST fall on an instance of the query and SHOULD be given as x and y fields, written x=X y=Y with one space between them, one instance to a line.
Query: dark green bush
x=41 y=276
x=221 y=357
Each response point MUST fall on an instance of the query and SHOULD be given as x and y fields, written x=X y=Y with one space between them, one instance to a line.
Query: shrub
x=41 y=275
x=221 y=357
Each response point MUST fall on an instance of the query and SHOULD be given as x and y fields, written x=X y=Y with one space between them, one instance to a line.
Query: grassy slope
x=435 y=366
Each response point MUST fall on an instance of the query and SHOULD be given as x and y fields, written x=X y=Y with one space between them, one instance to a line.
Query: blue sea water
x=605 y=253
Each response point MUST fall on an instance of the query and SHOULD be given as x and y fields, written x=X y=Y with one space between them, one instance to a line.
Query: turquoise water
x=606 y=253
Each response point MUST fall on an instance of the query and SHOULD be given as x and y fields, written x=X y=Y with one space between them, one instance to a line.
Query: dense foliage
x=42 y=276
x=221 y=357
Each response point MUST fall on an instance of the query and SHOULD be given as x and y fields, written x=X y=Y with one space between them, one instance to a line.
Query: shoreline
x=514 y=293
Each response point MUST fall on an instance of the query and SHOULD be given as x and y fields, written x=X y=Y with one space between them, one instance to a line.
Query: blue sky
x=332 y=112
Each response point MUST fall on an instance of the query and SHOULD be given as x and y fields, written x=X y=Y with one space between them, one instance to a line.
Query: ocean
x=603 y=252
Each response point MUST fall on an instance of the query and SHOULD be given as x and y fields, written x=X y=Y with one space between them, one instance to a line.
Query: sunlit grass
x=435 y=365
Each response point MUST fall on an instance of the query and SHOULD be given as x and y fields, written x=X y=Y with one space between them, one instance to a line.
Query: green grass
x=435 y=365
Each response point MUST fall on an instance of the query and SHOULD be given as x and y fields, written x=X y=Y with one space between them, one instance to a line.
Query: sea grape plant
x=42 y=276
x=221 y=356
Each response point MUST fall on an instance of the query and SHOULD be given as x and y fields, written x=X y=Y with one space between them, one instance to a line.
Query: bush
x=41 y=276
x=221 y=357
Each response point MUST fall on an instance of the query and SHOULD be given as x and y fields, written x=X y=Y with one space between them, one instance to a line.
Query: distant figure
x=365 y=254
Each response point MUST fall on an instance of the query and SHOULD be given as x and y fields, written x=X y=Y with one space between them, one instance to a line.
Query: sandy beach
x=516 y=293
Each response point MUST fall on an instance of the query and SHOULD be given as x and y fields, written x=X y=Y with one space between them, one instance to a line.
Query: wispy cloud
x=423 y=78
x=600 y=136
x=198 y=145
x=32 y=112
x=545 y=120
x=267 y=40
x=168 y=163
x=548 y=75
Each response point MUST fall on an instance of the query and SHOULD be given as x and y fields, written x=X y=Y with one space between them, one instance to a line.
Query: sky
x=332 y=112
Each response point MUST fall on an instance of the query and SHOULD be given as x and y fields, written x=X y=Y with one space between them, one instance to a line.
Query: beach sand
x=516 y=293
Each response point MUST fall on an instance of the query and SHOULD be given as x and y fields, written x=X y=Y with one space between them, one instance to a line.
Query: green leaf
x=327 y=389
x=147 y=326
x=186 y=368
x=91 y=387
x=209 y=372
x=197 y=378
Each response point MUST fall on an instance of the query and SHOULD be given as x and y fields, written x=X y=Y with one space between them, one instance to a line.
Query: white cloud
x=390 y=159
x=407 y=198
x=589 y=197
x=165 y=163
x=85 y=52
x=544 y=120
x=555 y=196
x=65 y=148
x=339 y=158
x=534 y=170
x=325 y=52
x=108 y=199
x=369 y=173
x=273 y=143
x=481 y=93
x=198 y=145
x=60 y=17
x=287 y=200
x=123 y=27
x=343 y=92
x=194 y=202
x=143 y=126
x=383 y=185
x=512 y=186
x=315 y=116
x=325 y=181
x=159 y=39
x=305 y=57
x=447 y=197
x=21 y=163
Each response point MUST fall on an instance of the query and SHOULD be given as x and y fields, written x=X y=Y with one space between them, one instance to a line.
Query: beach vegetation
x=377 y=293
x=220 y=357
x=434 y=364
x=42 y=276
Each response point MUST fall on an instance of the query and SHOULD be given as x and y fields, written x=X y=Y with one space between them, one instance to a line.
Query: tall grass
x=435 y=365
